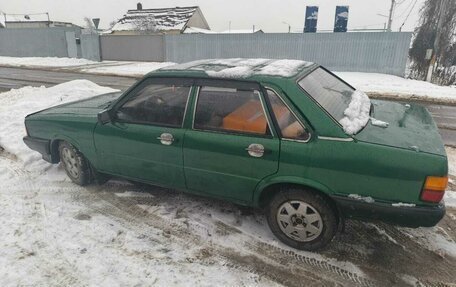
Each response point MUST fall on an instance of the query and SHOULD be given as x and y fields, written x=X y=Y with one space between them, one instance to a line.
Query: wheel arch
x=55 y=146
x=267 y=189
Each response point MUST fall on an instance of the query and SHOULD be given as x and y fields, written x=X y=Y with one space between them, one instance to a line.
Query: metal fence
x=49 y=42
x=379 y=52
x=38 y=42
x=360 y=52
x=90 y=47
x=133 y=47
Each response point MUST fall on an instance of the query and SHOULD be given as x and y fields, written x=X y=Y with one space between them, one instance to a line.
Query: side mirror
x=104 y=117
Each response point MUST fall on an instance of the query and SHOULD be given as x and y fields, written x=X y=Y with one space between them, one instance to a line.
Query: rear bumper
x=416 y=216
x=40 y=145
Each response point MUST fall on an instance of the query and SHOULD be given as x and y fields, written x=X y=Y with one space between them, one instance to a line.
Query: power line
x=406 y=18
x=405 y=10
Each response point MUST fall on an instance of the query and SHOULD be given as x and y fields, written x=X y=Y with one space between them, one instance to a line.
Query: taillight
x=434 y=188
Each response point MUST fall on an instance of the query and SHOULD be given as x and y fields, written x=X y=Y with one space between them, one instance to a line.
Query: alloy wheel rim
x=70 y=161
x=299 y=220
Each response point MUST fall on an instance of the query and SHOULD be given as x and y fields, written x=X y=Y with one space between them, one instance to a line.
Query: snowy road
x=445 y=116
x=20 y=77
x=55 y=233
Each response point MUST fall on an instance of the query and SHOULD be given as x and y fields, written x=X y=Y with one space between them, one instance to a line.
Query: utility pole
x=438 y=33
x=390 y=17
x=289 y=26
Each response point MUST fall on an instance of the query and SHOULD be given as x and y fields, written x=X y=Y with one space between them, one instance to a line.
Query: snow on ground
x=43 y=61
x=450 y=194
x=398 y=87
x=55 y=233
x=121 y=68
x=137 y=69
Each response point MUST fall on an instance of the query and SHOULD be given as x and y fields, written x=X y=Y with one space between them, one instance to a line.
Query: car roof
x=238 y=68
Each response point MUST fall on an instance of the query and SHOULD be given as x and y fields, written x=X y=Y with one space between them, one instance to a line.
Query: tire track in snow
x=126 y=209
x=57 y=269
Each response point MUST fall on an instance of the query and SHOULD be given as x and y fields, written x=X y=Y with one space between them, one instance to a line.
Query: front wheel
x=302 y=219
x=75 y=164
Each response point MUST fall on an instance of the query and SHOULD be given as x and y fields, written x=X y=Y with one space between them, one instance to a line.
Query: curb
x=411 y=98
x=76 y=69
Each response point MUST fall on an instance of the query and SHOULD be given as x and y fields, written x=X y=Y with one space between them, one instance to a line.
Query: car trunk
x=409 y=127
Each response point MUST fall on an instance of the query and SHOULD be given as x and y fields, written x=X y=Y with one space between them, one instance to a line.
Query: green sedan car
x=286 y=136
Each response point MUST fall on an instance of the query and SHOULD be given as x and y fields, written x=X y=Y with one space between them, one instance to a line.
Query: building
x=161 y=21
x=32 y=21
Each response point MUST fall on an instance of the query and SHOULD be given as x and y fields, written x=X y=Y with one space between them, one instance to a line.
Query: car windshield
x=329 y=92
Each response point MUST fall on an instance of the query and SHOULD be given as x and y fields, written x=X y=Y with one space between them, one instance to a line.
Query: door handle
x=255 y=150
x=166 y=139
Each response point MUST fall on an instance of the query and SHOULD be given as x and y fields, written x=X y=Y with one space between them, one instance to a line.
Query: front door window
x=155 y=104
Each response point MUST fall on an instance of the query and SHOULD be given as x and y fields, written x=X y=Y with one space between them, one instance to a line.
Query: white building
x=161 y=20
x=41 y=20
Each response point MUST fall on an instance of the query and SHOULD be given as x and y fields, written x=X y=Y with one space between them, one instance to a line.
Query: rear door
x=230 y=147
x=144 y=141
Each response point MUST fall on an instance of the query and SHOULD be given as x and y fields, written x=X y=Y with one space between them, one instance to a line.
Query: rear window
x=330 y=92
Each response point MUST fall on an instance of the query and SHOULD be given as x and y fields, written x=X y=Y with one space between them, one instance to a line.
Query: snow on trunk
x=379 y=123
x=357 y=113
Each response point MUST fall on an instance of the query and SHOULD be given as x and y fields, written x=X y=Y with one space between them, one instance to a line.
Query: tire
x=75 y=164
x=302 y=219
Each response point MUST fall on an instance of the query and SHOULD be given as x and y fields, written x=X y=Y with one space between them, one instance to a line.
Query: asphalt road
x=18 y=77
x=12 y=78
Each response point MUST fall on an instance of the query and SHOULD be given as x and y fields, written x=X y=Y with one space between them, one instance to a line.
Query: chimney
x=139 y=6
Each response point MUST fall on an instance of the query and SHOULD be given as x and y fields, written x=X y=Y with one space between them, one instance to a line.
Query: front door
x=231 y=146
x=144 y=141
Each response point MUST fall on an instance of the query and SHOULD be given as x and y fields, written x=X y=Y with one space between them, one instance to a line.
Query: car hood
x=83 y=107
x=410 y=127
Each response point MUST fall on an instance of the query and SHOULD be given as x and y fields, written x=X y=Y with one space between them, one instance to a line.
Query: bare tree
x=89 y=26
x=145 y=24
x=425 y=36
x=112 y=24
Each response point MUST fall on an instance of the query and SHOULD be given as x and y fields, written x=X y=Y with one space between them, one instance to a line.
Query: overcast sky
x=268 y=15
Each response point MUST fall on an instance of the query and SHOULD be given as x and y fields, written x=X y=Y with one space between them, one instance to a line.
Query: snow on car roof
x=243 y=68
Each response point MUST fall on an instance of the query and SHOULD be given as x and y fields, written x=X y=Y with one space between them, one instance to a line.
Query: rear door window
x=230 y=110
x=328 y=91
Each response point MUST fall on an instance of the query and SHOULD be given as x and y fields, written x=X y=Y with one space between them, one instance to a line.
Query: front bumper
x=42 y=146
x=413 y=216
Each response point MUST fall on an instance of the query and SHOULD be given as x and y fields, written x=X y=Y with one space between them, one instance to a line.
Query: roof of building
x=195 y=30
x=242 y=68
x=41 y=17
x=165 y=18
x=30 y=18
x=242 y=31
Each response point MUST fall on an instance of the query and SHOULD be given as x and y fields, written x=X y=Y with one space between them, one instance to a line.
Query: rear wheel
x=302 y=219
x=75 y=164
